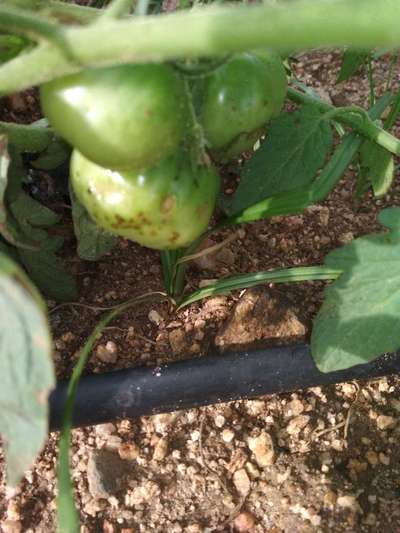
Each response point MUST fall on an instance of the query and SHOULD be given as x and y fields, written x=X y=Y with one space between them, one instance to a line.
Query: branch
x=116 y=9
x=356 y=118
x=63 y=11
x=18 y=21
x=210 y=31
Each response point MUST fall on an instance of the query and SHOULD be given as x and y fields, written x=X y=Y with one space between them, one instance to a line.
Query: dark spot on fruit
x=143 y=219
x=174 y=237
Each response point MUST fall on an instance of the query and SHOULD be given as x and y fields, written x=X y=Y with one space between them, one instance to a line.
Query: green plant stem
x=395 y=110
x=67 y=516
x=27 y=138
x=116 y=9
x=354 y=117
x=244 y=281
x=212 y=30
x=63 y=11
x=371 y=81
x=28 y=24
x=142 y=8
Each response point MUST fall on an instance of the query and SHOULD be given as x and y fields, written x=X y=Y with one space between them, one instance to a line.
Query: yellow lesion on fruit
x=168 y=203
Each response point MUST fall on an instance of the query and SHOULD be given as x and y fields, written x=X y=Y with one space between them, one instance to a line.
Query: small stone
x=252 y=470
x=330 y=498
x=128 y=451
x=227 y=435
x=11 y=526
x=143 y=493
x=177 y=341
x=395 y=404
x=160 y=450
x=372 y=457
x=193 y=528
x=104 y=430
x=384 y=459
x=385 y=422
x=263 y=449
x=163 y=421
x=241 y=481
x=244 y=522
x=155 y=317
x=106 y=473
x=219 y=421
x=294 y=408
x=349 y=501
x=107 y=353
x=108 y=527
x=296 y=424
x=370 y=519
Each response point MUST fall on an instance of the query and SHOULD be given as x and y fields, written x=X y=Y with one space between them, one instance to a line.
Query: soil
x=316 y=460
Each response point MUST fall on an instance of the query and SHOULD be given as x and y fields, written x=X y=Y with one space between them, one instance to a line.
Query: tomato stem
x=213 y=30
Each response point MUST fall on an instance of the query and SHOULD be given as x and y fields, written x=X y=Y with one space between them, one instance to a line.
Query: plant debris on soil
x=317 y=460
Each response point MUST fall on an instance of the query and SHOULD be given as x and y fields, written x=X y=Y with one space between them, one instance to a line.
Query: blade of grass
x=67 y=516
x=244 y=281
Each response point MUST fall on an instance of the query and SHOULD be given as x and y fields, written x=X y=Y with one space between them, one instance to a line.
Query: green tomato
x=166 y=206
x=128 y=116
x=239 y=98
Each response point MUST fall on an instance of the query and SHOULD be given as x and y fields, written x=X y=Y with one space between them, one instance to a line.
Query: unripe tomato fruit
x=166 y=206
x=128 y=116
x=239 y=98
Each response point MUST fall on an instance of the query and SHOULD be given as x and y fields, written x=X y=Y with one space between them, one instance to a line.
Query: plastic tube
x=197 y=382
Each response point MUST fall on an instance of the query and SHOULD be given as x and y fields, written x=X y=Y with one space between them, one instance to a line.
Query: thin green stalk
x=213 y=30
x=393 y=61
x=244 y=281
x=395 y=110
x=142 y=8
x=64 y=11
x=168 y=258
x=25 y=23
x=68 y=521
x=371 y=82
x=115 y=10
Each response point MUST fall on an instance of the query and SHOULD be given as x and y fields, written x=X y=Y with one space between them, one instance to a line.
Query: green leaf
x=44 y=267
x=93 y=242
x=376 y=167
x=53 y=156
x=359 y=318
x=352 y=61
x=244 y=281
x=29 y=211
x=295 y=148
x=11 y=46
x=25 y=367
x=48 y=272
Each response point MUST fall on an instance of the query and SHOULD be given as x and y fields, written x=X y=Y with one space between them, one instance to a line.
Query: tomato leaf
x=93 y=242
x=376 y=167
x=359 y=318
x=351 y=62
x=26 y=369
x=295 y=148
x=44 y=267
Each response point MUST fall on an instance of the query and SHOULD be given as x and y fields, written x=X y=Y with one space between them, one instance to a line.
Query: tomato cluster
x=130 y=127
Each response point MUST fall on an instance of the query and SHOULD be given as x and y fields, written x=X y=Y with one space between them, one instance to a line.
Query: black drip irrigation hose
x=142 y=391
